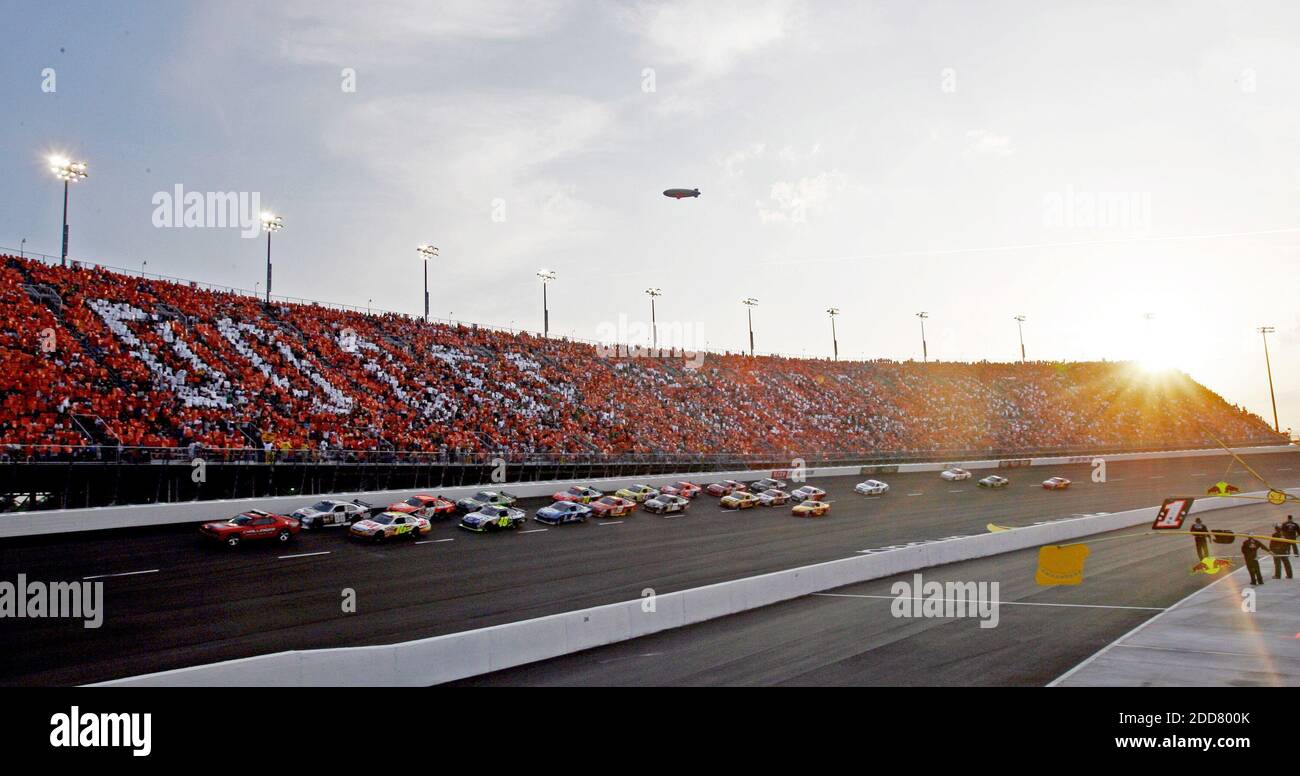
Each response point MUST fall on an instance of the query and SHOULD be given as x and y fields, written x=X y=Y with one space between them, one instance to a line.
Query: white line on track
x=534 y=530
x=1198 y=474
x=613 y=522
x=123 y=574
x=1156 y=477
x=304 y=555
x=1000 y=603
x=956 y=491
x=916 y=494
x=1285 y=469
x=1114 y=479
x=435 y=541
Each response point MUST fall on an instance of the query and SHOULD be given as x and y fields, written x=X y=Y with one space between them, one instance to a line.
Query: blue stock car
x=562 y=512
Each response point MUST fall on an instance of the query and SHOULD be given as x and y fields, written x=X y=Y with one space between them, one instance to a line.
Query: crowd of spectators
x=91 y=358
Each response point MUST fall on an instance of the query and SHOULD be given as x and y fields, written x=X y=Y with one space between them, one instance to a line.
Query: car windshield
x=484 y=495
x=384 y=519
x=241 y=520
x=609 y=500
x=322 y=506
x=575 y=490
x=413 y=502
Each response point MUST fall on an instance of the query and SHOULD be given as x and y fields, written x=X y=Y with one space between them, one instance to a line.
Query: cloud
x=711 y=37
x=793 y=202
x=460 y=154
x=733 y=163
x=982 y=142
x=332 y=31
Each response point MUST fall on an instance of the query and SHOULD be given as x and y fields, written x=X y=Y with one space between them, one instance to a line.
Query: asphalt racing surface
x=172 y=600
x=850 y=637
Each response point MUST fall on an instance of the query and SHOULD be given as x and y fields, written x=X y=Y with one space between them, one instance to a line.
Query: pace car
x=431 y=507
x=562 y=512
x=739 y=499
x=766 y=483
x=666 y=503
x=810 y=509
x=954 y=473
x=725 y=487
x=331 y=512
x=994 y=481
x=637 y=493
x=612 y=506
x=493 y=518
x=1056 y=483
x=579 y=494
x=808 y=493
x=773 y=497
x=684 y=489
x=390 y=525
x=251 y=526
x=871 y=488
x=485 y=498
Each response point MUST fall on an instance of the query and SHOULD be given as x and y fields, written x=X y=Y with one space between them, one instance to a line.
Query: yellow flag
x=1061 y=564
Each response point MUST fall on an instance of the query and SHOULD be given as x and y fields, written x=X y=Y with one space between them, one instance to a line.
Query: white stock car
x=954 y=473
x=331 y=512
x=871 y=488
x=994 y=481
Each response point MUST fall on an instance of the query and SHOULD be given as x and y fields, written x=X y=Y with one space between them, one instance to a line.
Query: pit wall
x=134 y=516
x=470 y=653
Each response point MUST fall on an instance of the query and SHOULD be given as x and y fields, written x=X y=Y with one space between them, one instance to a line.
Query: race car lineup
x=489 y=510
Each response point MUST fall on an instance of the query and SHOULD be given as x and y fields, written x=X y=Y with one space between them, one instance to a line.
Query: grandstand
x=98 y=364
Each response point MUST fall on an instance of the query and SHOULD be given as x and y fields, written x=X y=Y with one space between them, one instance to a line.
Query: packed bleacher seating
x=92 y=357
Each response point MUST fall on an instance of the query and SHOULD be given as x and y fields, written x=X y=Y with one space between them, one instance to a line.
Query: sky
x=1124 y=175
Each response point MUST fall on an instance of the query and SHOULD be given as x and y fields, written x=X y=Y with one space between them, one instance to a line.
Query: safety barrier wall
x=470 y=653
x=134 y=516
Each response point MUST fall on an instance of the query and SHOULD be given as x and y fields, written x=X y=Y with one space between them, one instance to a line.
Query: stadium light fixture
x=925 y=349
x=1264 y=332
x=835 y=341
x=654 y=326
x=68 y=171
x=271 y=223
x=426 y=252
x=546 y=275
x=750 y=303
x=1020 y=325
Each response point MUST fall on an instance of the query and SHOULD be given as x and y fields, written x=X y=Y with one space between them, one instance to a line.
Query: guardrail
x=135 y=516
x=469 y=653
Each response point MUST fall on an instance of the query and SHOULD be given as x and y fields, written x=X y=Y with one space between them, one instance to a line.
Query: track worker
x=1249 y=549
x=1281 y=552
x=1291 y=530
x=1202 y=539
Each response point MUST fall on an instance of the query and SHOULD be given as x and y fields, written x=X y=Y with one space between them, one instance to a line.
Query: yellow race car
x=739 y=499
x=637 y=493
x=810 y=508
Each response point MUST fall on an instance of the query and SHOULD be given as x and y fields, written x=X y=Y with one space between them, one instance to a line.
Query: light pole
x=547 y=276
x=144 y=265
x=1264 y=332
x=750 y=303
x=925 y=350
x=22 y=249
x=67 y=171
x=271 y=223
x=835 y=341
x=654 y=327
x=426 y=252
x=1020 y=324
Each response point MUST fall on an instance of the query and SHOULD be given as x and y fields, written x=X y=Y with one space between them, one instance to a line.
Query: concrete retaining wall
x=469 y=653
x=106 y=518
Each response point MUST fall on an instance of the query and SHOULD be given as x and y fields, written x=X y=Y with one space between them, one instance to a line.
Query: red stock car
x=429 y=507
x=612 y=506
x=251 y=526
x=725 y=488
x=684 y=489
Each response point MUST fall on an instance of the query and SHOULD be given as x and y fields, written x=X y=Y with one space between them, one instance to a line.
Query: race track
x=180 y=602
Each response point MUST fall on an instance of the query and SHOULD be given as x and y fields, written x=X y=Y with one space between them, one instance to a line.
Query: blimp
x=682 y=193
